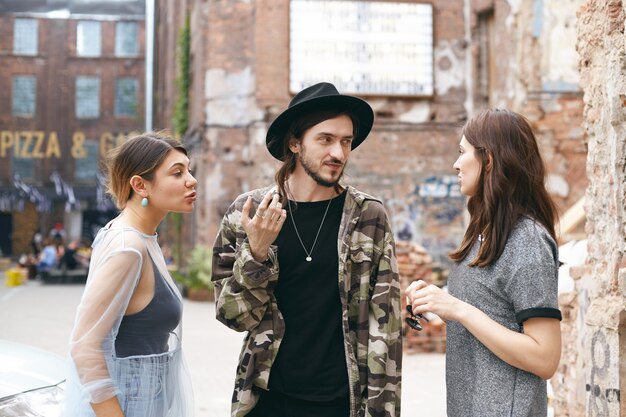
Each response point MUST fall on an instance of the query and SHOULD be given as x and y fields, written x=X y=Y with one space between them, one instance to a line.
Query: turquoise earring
x=144 y=202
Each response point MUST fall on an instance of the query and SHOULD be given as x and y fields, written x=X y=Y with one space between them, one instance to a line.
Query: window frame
x=24 y=167
x=19 y=38
x=34 y=95
x=117 y=104
x=80 y=39
x=119 y=43
x=86 y=169
x=77 y=101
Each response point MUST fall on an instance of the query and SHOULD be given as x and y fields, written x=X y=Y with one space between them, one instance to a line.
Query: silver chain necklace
x=308 y=253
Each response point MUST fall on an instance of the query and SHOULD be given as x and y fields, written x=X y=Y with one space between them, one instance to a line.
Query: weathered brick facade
x=592 y=374
x=533 y=70
x=240 y=75
x=55 y=66
x=407 y=160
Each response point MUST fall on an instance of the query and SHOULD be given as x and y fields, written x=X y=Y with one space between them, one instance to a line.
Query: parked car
x=31 y=381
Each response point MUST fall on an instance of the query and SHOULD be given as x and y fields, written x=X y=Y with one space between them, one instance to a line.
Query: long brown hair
x=296 y=131
x=513 y=187
x=140 y=155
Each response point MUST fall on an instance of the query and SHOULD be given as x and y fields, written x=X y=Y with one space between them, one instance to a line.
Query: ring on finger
x=262 y=216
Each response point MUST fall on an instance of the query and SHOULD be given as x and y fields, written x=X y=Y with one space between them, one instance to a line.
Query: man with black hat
x=307 y=267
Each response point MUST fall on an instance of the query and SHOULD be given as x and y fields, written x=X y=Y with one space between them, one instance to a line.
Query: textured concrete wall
x=556 y=25
x=593 y=368
x=538 y=77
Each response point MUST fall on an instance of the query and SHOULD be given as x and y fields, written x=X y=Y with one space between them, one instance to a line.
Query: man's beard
x=316 y=177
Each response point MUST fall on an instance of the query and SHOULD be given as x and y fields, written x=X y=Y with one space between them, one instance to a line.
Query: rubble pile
x=414 y=263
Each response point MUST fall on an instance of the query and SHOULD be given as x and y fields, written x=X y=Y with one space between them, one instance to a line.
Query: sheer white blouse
x=146 y=385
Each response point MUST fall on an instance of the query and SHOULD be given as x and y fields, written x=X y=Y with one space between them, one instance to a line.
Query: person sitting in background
x=48 y=257
x=36 y=242
x=58 y=233
x=60 y=248
x=167 y=255
x=72 y=257
x=29 y=261
x=84 y=252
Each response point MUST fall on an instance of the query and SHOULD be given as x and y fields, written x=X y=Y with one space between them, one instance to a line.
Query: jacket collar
x=359 y=197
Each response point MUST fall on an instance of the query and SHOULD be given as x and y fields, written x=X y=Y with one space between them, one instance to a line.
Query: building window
x=126 y=97
x=126 y=39
x=87 y=97
x=25 y=37
x=86 y=169
x=88 y=38
x=24 y=95
x=23 y=167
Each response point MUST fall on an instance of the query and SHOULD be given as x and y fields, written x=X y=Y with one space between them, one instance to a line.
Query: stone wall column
x=602 y=286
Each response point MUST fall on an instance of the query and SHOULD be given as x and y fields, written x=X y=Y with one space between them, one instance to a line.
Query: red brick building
x=71 y=84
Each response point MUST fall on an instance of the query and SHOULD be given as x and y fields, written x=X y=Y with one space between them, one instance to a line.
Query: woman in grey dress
x=503 y=330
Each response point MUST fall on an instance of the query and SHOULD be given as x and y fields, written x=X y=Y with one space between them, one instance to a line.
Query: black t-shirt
x=311 y=361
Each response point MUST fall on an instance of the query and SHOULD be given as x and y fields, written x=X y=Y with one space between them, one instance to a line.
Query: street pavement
x=42 y=315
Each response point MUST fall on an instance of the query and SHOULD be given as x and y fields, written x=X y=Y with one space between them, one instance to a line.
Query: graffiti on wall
x=431 y=215
x=602 y=401
x=439 y=186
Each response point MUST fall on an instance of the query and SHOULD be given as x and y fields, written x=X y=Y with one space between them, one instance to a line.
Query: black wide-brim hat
x=318 y=97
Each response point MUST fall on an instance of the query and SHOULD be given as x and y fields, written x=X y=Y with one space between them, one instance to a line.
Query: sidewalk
x=42 y=316
x=212 y=351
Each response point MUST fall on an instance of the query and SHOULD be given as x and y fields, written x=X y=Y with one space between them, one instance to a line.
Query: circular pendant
x=309 y=259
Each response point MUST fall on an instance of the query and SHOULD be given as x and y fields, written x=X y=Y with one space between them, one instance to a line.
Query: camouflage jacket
x=369 y=289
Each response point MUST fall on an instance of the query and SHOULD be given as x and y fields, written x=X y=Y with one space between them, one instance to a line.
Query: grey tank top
x=147 y=331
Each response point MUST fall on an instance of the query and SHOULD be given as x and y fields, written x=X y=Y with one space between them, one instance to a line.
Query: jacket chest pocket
x=362 y=258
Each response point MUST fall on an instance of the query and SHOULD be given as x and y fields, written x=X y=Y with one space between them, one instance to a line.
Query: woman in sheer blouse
x=125 y=346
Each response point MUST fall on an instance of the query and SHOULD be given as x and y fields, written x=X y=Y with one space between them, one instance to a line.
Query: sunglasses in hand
x=414 y=320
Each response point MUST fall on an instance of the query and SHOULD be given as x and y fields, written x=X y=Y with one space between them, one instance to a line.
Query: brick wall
x=407 y=160
x=24 y=226
x=244 y=79
x=414 y=263
x=593 y=365
x=534 y=71
x=55 y=67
